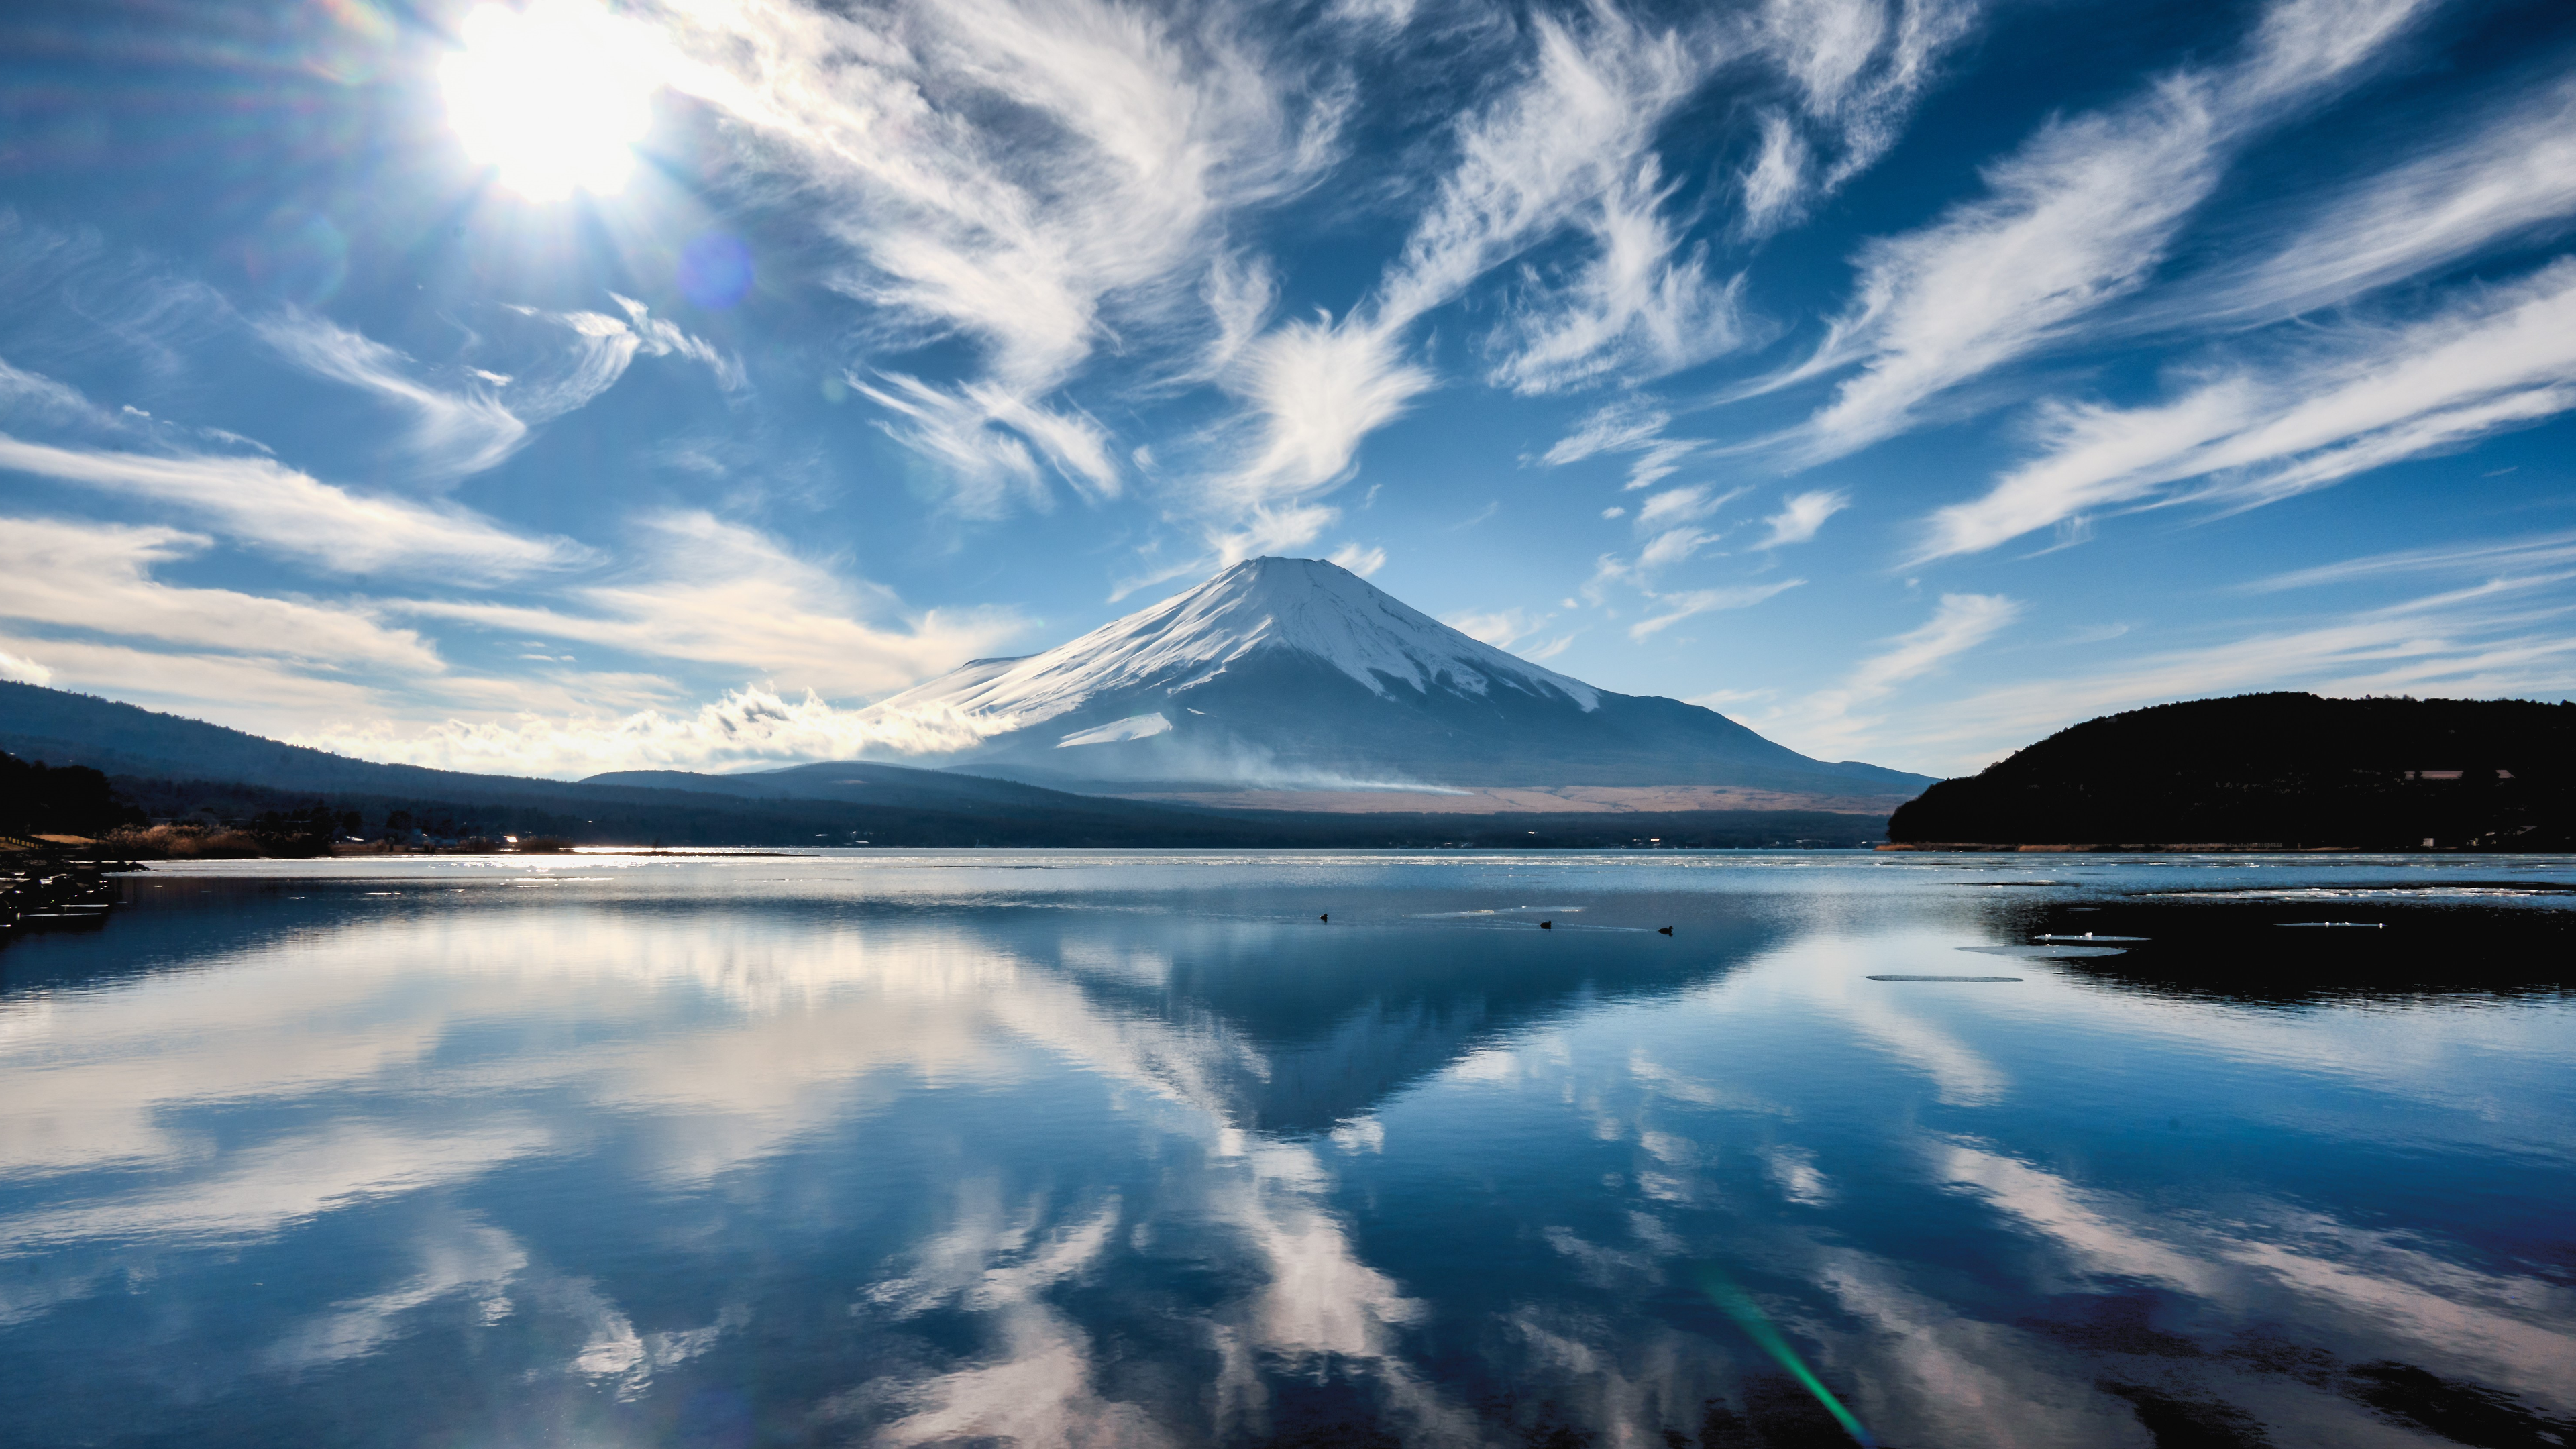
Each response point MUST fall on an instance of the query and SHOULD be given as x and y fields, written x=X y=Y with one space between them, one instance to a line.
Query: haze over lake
x=1083 y=1148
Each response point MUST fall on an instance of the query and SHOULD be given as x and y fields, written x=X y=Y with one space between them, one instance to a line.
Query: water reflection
x=1074 y=1151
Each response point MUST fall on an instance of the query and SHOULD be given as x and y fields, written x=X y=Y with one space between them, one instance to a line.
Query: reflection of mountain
x=1307 y=1027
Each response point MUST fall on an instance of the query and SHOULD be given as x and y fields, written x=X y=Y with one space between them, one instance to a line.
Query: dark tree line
x=2294 y=770
x=37 y=799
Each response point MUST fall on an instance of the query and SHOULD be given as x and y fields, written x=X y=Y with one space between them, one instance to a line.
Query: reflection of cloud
x=786 y=1036
x=264 y=1190
x=2362 y=1283
x=1800 y=1180
x=1962 y=1380
x=1037 y=1391
x=476 y=1258
x=2051 y=1204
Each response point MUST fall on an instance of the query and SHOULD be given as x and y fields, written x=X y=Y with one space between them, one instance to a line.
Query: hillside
x=169 y=768
x=2293 y=770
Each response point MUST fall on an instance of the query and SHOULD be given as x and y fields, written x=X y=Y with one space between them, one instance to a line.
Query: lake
x=1092 y=1149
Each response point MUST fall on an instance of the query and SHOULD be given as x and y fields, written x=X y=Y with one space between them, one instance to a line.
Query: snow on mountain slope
x=1304 y=606
x=1296 y=674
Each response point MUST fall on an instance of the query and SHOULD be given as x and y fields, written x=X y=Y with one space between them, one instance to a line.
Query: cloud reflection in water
x=924 y=1159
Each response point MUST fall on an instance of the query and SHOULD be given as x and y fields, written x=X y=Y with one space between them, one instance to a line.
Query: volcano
x=1285 y=673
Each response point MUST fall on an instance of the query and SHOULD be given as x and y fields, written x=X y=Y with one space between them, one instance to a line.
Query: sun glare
x=553 y=97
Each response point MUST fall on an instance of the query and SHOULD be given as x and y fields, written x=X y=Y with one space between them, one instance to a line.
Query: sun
x=553 y=97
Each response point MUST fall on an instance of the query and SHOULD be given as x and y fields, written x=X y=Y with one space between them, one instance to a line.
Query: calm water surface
x=1131 y=1149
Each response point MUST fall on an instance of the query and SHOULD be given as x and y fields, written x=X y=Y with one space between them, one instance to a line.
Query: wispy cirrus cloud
x=1858 y=67
x=2352 y=399
x=1033 y=178
x=2505 y=637
x=1802 y=515
x=457 y=430
x=993 y=440
x=1564 y=146
x=1641 y=307
x=87 y=579
x=2080 y=216
x=2550 y=555
x=1631 y=426
x=1317 y=388
x=1672 y=608
x=1833 y=722
x=1572 y=130
x=1568 y=149
x=468 y=420
x=266 y=506
x=709 y=592
x=2510 y=173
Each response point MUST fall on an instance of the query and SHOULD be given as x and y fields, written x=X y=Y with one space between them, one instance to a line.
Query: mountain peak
x=1304 y=605
x=1296 y=671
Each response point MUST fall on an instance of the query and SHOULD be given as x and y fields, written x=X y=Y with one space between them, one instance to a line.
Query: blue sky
x=565 y=388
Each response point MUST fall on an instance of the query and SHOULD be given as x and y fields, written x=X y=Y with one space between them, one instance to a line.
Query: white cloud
x=454 y=432
x=1688 y=603
x=719 y=594
x=661 y=338
x=1858 y=69
x=1501 y=628
x=2486 y=558
x=2507 y=637
x=24 y=671
x=2359 y=398
x=992 y=439
x=1034 y=178
x=40 y=398
x=260 y=693
x=1639 y=307
x=275 y=509
x=96 y=578
x=1671 y=547
x=1318 y=389
x=2513 y=173
x=1623 y=426
x=1682 y=505
x=1574 y=130
x=1831 y=724
x=1240 y=293
x=1802 y=515
x=1631 y=427
x=1362 y=561
x=1775 y=184
x=1566 y=147
x=751 y=725
x=2080 y=215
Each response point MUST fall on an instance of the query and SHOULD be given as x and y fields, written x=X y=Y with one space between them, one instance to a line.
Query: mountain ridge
x=178 y=767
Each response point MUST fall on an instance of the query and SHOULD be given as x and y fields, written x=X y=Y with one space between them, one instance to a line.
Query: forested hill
x=2293 y=770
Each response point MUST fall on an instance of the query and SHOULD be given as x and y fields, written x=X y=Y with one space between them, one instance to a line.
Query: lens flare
x=715 y=271
x=554 y=97
x=1757 y=1325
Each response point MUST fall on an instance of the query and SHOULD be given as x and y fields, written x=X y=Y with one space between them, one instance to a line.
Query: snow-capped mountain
x=1296 y=672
